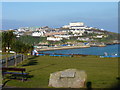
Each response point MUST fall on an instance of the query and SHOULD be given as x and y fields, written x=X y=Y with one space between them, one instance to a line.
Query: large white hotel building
x=76 y=25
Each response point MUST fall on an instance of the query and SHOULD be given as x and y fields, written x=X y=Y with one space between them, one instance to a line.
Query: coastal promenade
x=74 y=47
x=62 y=48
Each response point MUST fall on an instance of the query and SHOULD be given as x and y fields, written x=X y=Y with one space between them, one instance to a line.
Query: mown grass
x=102 y=72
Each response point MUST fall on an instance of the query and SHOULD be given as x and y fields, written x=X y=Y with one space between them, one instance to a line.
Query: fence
x=13 y=60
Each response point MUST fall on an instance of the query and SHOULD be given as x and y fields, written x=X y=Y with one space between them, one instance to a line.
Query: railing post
x=6 y=61
x=21 y=57
x=15 y=60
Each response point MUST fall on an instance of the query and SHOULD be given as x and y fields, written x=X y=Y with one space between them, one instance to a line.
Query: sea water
x=109 y=49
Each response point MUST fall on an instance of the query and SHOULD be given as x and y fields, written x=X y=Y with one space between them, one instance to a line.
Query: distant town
x=74 y=34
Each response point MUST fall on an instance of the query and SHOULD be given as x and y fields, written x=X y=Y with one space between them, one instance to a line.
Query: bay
x=109 y=49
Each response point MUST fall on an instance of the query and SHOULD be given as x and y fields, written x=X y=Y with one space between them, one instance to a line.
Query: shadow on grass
x=19 y=77
x=31 y=61
x=16 y=77
x=42 y=67
x=89 y=85
x=4 y=83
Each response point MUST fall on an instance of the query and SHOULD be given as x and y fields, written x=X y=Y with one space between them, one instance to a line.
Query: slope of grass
x=102 y=72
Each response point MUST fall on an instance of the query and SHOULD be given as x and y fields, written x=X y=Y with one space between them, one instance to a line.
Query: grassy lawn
x=102 y=72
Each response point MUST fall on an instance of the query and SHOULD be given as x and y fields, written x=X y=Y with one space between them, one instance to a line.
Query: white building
x=77 y=31
x=66 y=26
x=23 y=29
x=63 y=36
x=97 y=32
x=20 y=29
x=76 y=25
x=20 y=33
x=85 y=39
x=16 y=32
x=89 y=31
x=54 y=38
x=37 y=34
x=78 y=34
x=99 y=36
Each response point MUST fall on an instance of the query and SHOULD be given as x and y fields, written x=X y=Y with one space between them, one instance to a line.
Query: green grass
x=102 y=72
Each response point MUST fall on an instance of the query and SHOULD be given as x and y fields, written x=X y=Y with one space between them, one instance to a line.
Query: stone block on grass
x=69 y=78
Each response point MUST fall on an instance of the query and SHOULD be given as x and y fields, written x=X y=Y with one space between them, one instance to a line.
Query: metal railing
x=12 y=60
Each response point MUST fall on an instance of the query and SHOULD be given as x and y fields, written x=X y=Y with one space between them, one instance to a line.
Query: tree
x=20 y=47
x=4 y=41
x=7 y=39
x=17 y=46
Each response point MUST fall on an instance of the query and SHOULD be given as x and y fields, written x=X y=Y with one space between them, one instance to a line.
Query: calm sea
x=110 y=49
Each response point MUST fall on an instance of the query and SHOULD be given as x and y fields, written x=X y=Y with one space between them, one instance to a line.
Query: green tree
x=20 y=47
x=32 y=40
x=17 y=46
x=7 y=39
